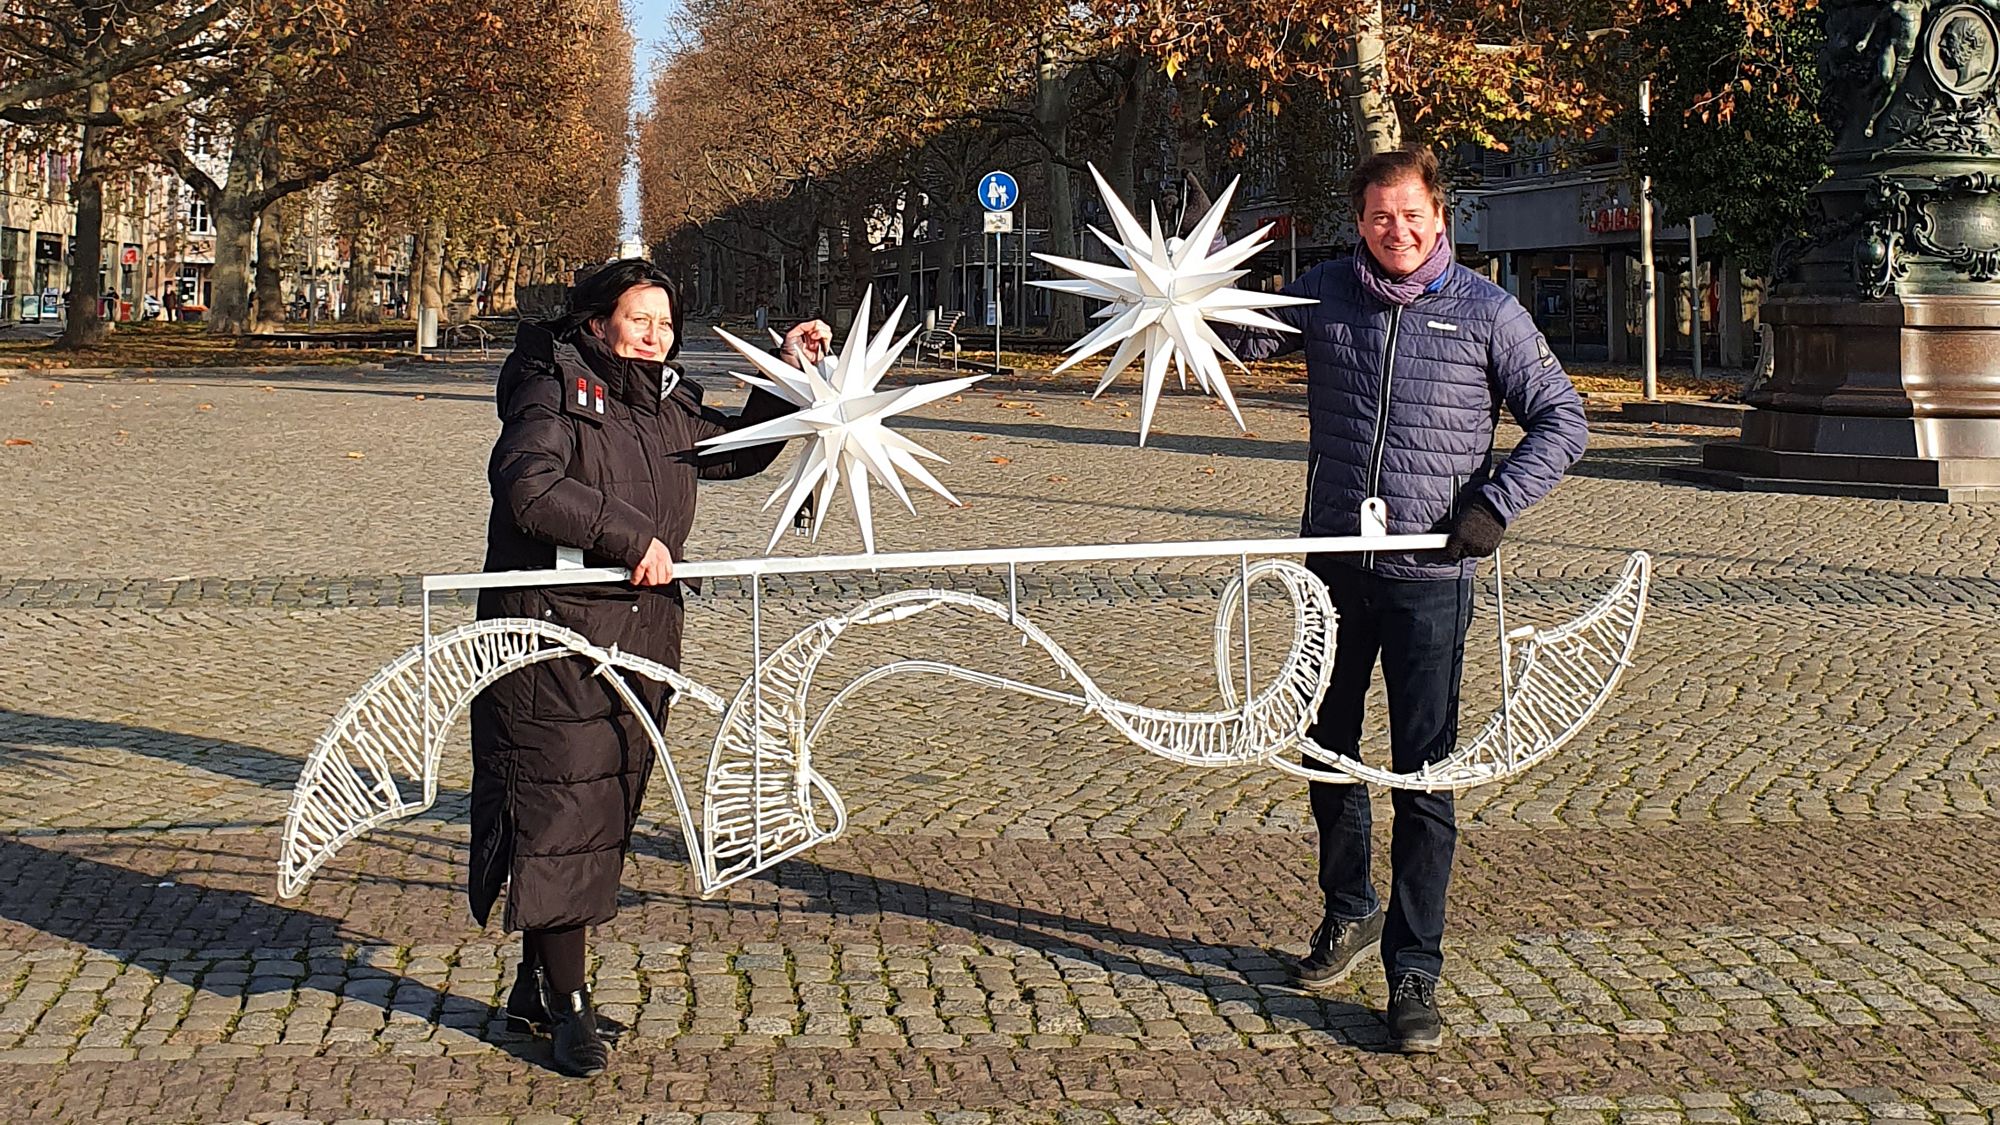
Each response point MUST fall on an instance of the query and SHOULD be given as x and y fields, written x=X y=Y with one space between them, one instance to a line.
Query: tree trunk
x=234 y=210
x=1364 y=87
x=269 y=299
x=951 y=291
x=84 y=326
x=1191 y=131
x=860 y=261
x=364 y=240
x=521 y=274
x=430 y=249
x=1052 y=117
x=906 y=249
x=503 y=301
x=1121 y=167
x=235 y=233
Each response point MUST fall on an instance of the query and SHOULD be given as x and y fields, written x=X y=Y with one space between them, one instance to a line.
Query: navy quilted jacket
x=1403 y=404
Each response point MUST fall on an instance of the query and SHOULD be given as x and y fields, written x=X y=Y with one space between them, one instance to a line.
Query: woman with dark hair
x=596 y=454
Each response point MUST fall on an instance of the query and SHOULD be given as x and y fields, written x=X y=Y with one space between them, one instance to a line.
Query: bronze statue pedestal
x=1886 y=322
x=1897 y=398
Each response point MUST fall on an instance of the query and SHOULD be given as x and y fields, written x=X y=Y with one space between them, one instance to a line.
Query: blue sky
x=649 y=26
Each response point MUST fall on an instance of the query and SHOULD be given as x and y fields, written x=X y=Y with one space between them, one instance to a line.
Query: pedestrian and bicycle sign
x=998 y=191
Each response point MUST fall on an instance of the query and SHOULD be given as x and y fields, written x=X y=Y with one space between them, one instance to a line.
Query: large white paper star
x=1162 y=294
x=844 y=414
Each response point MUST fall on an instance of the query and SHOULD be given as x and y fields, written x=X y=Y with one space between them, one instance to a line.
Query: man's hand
x=807 y=342
x=1476 y=534
x=657 y=568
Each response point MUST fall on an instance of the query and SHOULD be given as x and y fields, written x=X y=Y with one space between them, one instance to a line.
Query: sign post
x=1649 y=296
x=998 y=192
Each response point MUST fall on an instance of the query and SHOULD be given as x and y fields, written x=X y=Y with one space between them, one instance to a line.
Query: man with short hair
x=1409 y=357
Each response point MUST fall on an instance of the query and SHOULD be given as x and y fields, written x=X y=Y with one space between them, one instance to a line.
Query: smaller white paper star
x=1161 y=296
x=844 y=414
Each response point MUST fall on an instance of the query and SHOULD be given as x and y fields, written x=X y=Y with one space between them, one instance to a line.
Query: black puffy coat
x=590 y=455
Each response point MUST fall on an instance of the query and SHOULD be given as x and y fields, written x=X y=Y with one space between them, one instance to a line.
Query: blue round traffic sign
x=998 y=191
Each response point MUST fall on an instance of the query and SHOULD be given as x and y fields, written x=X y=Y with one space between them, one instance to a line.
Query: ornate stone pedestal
x=1886 y=376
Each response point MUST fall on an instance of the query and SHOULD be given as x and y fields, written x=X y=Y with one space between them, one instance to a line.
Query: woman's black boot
x=579 y=1050
x=527 y=1011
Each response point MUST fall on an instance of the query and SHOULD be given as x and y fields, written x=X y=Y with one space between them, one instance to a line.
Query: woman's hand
x=657 y=568
x=807 y=342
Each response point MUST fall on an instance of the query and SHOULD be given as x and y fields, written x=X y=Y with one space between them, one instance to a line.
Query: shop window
x=13 y=260
x=1565 y=292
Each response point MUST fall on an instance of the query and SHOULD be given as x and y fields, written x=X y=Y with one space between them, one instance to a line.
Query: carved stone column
x=1886 y=321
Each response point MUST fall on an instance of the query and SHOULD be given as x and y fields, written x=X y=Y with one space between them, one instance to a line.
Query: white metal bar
x=757 y=718
x=431 y=733
x=1243 y=578
x=914 y=560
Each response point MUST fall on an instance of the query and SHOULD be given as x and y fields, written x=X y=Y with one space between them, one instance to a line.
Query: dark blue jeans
x=1417 y=630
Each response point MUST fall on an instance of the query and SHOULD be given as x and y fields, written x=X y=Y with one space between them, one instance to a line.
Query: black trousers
x=1417 y=630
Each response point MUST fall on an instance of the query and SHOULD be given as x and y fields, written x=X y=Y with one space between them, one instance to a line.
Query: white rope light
x=763 y=801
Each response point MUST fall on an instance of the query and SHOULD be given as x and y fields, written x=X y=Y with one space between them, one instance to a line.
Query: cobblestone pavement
x=1758 y=887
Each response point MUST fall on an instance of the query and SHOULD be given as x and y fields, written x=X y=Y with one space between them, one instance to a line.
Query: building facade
x=157 y=234
x=1565 y=242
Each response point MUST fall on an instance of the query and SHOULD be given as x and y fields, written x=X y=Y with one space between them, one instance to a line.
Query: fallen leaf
x=420 y=398
x=267 y=388
x=1036 y=414
x=205 y=406
x=355 y=455
x=1001 y=460
x=1209 y=469
x=121 y=433
x=152 y=380
x=1058 y=479
x=1249 y=433
x=19 y=441
x=976 y=437
x=4 y=380
x=55 y=386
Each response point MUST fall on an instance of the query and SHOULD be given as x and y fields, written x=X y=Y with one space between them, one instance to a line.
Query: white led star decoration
x=843 y=413
x=1162 y=296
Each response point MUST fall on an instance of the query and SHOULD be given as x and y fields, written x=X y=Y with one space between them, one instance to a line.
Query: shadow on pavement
x=154 y=921
x=806 y=886
x=35 y=742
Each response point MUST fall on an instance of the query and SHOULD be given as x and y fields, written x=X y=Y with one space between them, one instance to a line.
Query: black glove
x=1476 y=534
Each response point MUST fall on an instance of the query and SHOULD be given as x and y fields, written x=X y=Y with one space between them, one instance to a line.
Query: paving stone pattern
x=1758 y=887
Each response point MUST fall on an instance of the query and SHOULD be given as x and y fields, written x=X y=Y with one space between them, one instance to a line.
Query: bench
x=932 y=342
x=463 y=335
x=375 y=338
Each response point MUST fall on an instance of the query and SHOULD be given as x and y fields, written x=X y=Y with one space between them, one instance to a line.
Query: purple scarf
x=1403 y=290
